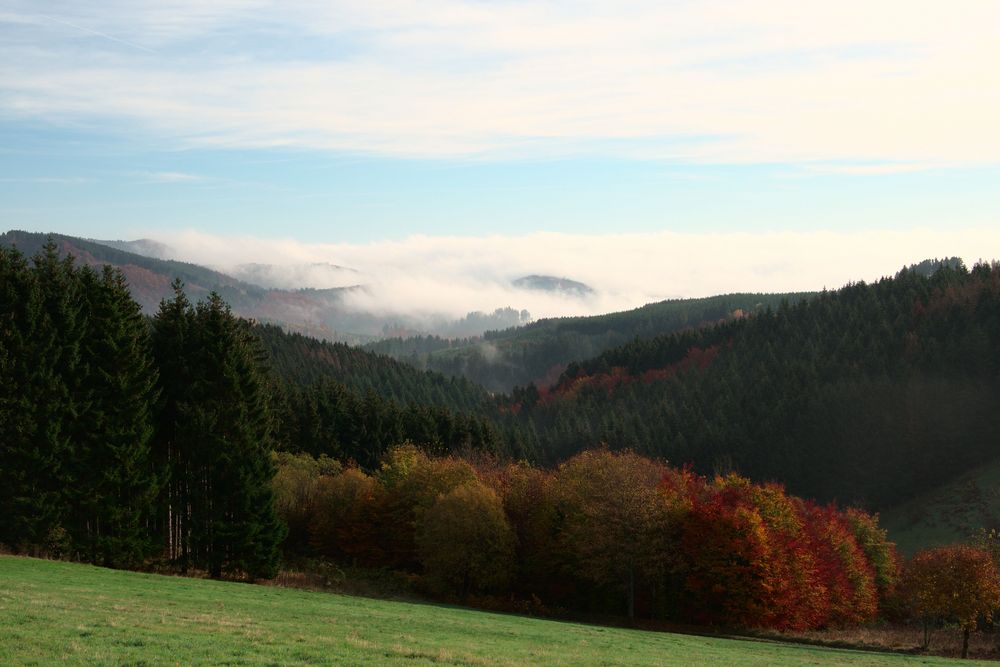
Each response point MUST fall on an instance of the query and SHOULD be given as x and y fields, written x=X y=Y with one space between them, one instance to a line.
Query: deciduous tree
x=957 y=583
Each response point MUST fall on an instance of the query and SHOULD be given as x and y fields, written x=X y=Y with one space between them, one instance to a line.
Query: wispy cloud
x=49 y=180
x=720 y=81
x=167 y=177
x=877 y=169
x=97 y=33
x=425 y=275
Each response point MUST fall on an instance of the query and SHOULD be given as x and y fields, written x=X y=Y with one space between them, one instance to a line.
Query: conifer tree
x=53 y=358
x=215 y=433
x=172 y=342
x=18 y=318
x=116 y=483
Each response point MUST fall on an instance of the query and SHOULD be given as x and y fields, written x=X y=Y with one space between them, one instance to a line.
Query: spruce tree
x=116 y=482
x=53 y=355
x=216 y=434
x=240 y=528
x=22 y=507
x=173 y=351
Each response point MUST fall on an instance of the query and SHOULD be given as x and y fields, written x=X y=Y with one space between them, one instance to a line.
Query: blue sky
x=377 y=121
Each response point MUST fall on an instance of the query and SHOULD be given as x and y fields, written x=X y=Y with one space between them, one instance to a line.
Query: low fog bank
x=424 y=278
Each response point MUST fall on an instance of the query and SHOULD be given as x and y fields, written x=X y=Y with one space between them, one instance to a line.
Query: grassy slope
x=949 y=513
x=70 y=614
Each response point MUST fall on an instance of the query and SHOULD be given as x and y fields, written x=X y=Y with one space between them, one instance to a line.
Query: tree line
x=124 y=438
x=618 y=533
x=604 y=532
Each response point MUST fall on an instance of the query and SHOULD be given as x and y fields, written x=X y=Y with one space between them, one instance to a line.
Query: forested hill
x=865 y=394
x=149 y=279
x=305 y=361
x=318 y=313
x=540 y=351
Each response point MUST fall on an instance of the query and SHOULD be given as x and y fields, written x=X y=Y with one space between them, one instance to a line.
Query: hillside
x=347 y=403
x=952 y=512
x=539 y=352
x=81 y=615
x=304 y=361
x=319 y=313
x=870 y=394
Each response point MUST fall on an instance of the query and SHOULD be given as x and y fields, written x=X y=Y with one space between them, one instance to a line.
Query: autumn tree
x=464 y=541
x=296 y=487
x=530 y=503
x=844 y=570
x=346 y=515
x=881 y=553
x=412 y=482
x=956 y=583
x=615 y=519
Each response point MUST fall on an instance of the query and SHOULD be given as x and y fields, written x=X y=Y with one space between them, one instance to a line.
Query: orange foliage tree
x=957 y=583
x=344 y=520
x=747 y=559
x=844 y=570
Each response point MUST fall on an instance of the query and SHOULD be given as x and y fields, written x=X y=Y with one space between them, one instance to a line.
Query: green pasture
x=54 y=613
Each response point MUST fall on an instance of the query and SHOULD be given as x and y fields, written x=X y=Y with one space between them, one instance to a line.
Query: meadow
x=69 y=614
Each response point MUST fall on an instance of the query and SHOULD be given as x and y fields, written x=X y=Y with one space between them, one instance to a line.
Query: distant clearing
x=947 y=514
x=61 y=613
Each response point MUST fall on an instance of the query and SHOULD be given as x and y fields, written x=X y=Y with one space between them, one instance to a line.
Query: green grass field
x=60 y=613
x=947 y=514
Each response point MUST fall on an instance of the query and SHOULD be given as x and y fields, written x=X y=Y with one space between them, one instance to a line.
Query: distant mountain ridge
x=552 y=284
x=144 y=247
x=540 y=351
x=323 y=313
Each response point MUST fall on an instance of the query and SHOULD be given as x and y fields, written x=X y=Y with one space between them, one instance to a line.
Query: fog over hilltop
x=449 y=276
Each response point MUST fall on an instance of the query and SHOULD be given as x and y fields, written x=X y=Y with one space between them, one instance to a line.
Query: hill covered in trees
x=867 y=394
x=303 y=361
x=539 y=352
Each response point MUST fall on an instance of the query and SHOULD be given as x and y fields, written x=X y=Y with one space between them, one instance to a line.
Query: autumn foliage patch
x=605 y=532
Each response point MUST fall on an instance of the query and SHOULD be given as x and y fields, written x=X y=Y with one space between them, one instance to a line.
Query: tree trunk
x=631 y=593
x=965 y=642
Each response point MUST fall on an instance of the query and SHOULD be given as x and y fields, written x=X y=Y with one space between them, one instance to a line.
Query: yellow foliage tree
x=616 y=519
x=464 y=541
x=957 y=583
x=412 y=482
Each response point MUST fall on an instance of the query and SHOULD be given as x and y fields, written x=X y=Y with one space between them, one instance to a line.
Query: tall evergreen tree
x=116 y=483
x=18 y=317
x=217 y=429
x=173 y=345
x=53 y=355
x=239 y=527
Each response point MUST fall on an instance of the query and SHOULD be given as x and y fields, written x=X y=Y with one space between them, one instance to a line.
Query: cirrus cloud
x=720 y=81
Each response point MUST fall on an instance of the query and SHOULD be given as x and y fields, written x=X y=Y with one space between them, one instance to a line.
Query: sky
x=580 y=139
